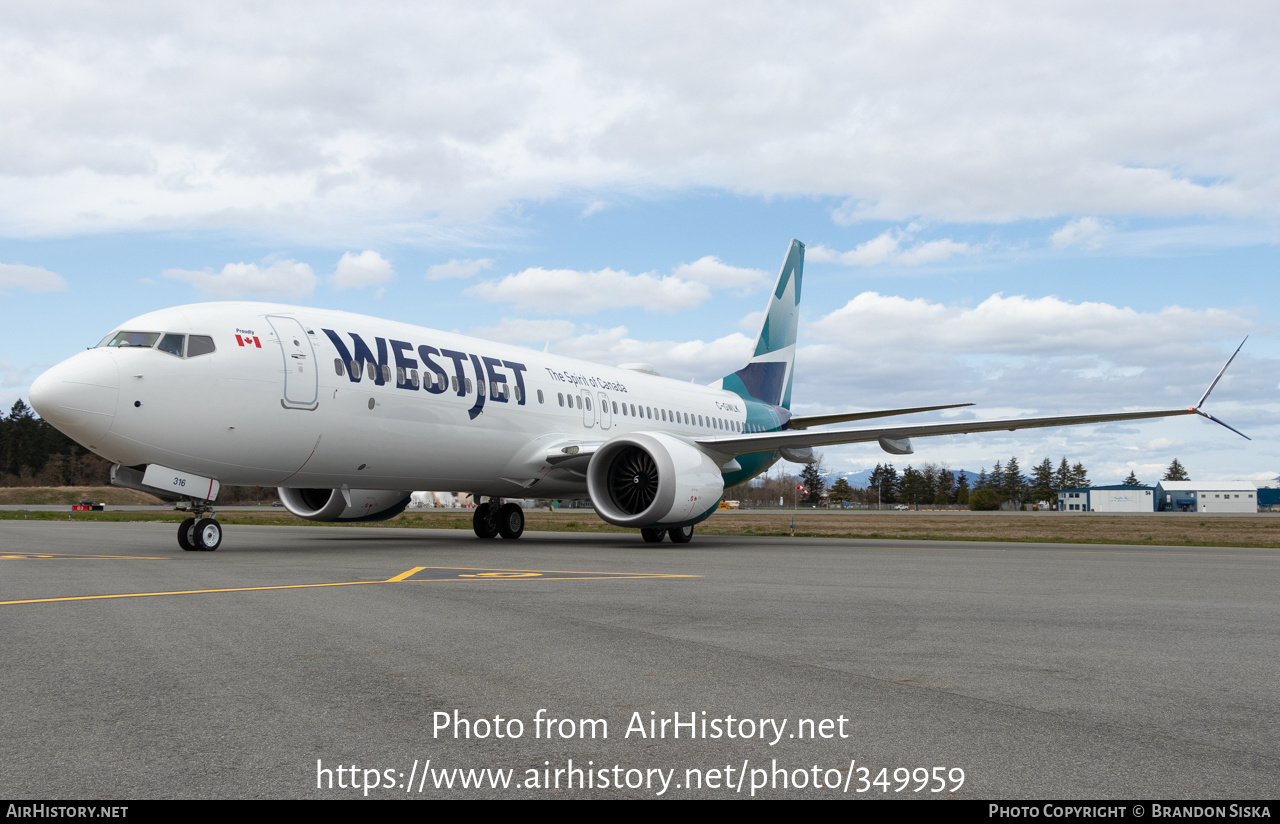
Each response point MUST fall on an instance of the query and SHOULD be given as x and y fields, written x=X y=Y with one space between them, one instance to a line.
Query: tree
x=1015 y=486
x=962 y=489
x=883 y=483
x=984 y=500
x=1042 y=487
x=811 y=478
x=1062 y=477
x=1079 y=477
x=914 y=490
x=1132 y=480
x=841 y=492
x=1175 y=472
x=995 y=481
x=946 y=493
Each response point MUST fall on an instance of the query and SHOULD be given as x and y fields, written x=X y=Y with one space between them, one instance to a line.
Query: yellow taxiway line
x=493 y=575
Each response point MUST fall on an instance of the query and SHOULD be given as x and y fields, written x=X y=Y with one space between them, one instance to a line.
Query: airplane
x=348 y=414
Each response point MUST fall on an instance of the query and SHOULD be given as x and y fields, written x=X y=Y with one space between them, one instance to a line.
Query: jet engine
x=652 y=479
x=344 y=504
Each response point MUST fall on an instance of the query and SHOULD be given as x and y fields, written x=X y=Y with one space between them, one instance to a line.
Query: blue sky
x=1071 y=208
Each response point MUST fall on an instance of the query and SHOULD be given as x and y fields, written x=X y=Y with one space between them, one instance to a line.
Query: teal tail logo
x=767 y=376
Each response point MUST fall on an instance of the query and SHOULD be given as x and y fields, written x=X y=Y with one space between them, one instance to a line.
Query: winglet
x=1217 y=378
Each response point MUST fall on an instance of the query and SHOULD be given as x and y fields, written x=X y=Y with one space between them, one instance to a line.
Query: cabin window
x=579 y=401
x=615 y=407
x=400 y=376
x=172 y=344
x=559 y=396
x=468 y=386
x=479 y=387
x=337 y=367
x=699 y=420
x=386 y=373
x=588 y=400
x=413 y=378
x=199 y=345
x=373 y=373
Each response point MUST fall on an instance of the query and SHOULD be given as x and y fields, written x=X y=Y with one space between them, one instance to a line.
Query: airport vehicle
x=347 y=414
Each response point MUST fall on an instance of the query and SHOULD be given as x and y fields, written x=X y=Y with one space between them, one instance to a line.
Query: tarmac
x=313 y=662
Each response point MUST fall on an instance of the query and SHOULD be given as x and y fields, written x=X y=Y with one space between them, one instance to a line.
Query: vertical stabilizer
x=767 y=376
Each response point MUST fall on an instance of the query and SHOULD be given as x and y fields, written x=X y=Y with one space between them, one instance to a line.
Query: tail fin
x=767 y=376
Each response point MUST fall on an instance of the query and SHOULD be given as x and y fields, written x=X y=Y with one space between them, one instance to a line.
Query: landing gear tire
x=187 y=535
x=652 y=535
x=510 y=521
x=208 y=534
x=483 y=523
x=681 y=534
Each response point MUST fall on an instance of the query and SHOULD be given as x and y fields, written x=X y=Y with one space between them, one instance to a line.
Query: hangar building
x=1117 y=498
x=1207 y=496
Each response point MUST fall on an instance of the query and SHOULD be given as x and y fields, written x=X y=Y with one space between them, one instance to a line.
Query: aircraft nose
x=79 y=395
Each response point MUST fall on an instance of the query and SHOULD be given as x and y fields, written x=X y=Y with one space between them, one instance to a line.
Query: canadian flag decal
x=246 y=340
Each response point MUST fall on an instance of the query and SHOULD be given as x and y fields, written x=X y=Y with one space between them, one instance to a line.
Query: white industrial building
x=1107 y=499
x=1207 y=496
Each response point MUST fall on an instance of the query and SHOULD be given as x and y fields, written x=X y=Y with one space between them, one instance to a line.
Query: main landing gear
x=492 y=519
x=201 y=533
x=679 y=534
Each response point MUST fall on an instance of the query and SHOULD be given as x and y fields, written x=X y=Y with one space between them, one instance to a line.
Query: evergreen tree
x=1079 y=477
x=1042 y=488
x=811 y=478
x=946 y=493
x=995 y=481
x=1175 y=472
x=929 y=474
x=883 y=484
x=841 y=492
x=962 y=489
x=1015 y=486
x=913 y=489
x=1062 y=478
x=1132 y=480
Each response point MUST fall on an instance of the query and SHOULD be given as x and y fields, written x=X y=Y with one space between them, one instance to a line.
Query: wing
x=765 y=441
x=806 y=421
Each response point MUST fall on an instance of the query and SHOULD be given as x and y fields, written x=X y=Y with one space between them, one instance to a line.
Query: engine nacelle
x=896 y=446
x=344 y=505
x=650 y=479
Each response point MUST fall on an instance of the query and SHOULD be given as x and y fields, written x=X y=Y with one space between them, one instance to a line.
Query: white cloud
x=273 y=278
x=30 y=278
x=523 y=331
x=365 y=269
x=890 y=247
x=1086 y=232
x=594 y=207
x=703 y=361
x=168 y=117
x=572 y=292
x=715 y=273
x=752 y=321
x=1018 y=326
x=458 y=268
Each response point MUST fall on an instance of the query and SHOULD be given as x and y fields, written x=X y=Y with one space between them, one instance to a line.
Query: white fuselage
x=281 y=403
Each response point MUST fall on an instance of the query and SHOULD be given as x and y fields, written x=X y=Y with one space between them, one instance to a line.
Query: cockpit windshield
x=147 y=339
x=172 y=343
